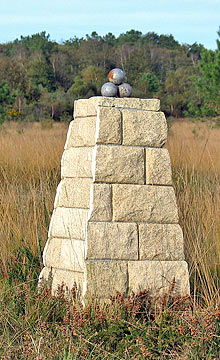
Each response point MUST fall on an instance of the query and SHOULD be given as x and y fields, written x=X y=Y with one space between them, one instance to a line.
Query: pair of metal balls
x=116 y=87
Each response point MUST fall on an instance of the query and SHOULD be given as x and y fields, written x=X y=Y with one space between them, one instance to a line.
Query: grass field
x=194 y=150
x=29 y=174
x=31 y=321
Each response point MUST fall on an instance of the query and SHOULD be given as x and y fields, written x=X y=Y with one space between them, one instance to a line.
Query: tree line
x=40 y=78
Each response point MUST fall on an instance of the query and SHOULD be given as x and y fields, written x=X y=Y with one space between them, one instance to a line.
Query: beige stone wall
x=115 y=221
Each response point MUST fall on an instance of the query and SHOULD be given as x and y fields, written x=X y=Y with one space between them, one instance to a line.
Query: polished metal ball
x=116 y=76
x=125 y=90
x=109 y=89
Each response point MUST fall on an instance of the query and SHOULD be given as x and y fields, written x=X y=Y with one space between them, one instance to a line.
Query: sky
x=188 y=21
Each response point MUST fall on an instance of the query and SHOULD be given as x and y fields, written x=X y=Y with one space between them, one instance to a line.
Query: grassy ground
x=194 y=150
x=29 y=174
x=35 y=326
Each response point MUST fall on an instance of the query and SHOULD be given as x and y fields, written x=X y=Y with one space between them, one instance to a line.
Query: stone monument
x=114 y=225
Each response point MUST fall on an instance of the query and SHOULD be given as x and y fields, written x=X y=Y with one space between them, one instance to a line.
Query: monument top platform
x=88 y=107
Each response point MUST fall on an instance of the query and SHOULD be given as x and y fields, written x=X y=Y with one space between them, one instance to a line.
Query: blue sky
x=188 y=20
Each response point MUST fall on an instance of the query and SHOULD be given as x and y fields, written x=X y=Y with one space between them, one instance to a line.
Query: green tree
x=109 y=39
x=163 y=41
x=93 y=75
x=168 y=42
x=151 y=37
x=178 y=91
x=194 y=52
x=49 y=76
x=64 y=66
x=131 y=37
x=148 y=84
x=74 y=42
x=6 y=100
x=37 y=42
x=13 y=73
x=78 y=89
x=208 y=83
x=56 y=104
x=40 y=72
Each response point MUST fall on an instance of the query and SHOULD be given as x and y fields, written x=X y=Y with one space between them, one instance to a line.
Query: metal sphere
x=109 y=89
x=125 y=90
x=116 y=76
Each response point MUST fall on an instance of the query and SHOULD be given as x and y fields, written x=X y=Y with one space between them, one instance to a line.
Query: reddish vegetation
x=36 y=326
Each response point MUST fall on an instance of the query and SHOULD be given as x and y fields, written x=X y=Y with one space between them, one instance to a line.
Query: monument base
x=115 y=226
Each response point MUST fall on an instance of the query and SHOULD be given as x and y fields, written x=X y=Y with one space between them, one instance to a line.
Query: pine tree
x=208 y=84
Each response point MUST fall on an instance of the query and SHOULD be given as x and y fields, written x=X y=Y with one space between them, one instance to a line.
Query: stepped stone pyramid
x=115 y=222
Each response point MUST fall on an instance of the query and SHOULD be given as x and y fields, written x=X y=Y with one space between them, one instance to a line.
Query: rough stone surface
x=144 y=203
x=159 y=277
x=119 y=164
x=129 y=103
x=144 y=128
x=45 y=274
x=58 y=191
x=77 y=162
x=112 y=241
x=82 y=132
x=158 y=167
x=68 y=223
x=161 y=242
x=66 y=277
x=105 y=278
x=109 y=126
x=74 y=193
x=101 y=203
x=115 y=223
x=88 y=107
x=65 y=254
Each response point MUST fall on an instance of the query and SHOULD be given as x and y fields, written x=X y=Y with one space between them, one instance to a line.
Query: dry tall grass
x=30 y=172
x=194 y=150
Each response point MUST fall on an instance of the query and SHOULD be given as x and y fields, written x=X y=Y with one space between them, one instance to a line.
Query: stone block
x=58 y=277
x=112 y=241
x=45 y=274
x=77 y=162
x=74 y=193
x=119 y=164
x=82 y=132
x=69 y=279
x=51 y=252
x=158 y=167
x=88 y=107
x=144 y=128
x=68 y=223
x=65 y=254
x=160 y=242
x=101 y=203
x=159 y=277
x=109 y=126
x=105 y=278
x=144 y=203
x=58 y=191
x=128 y=103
